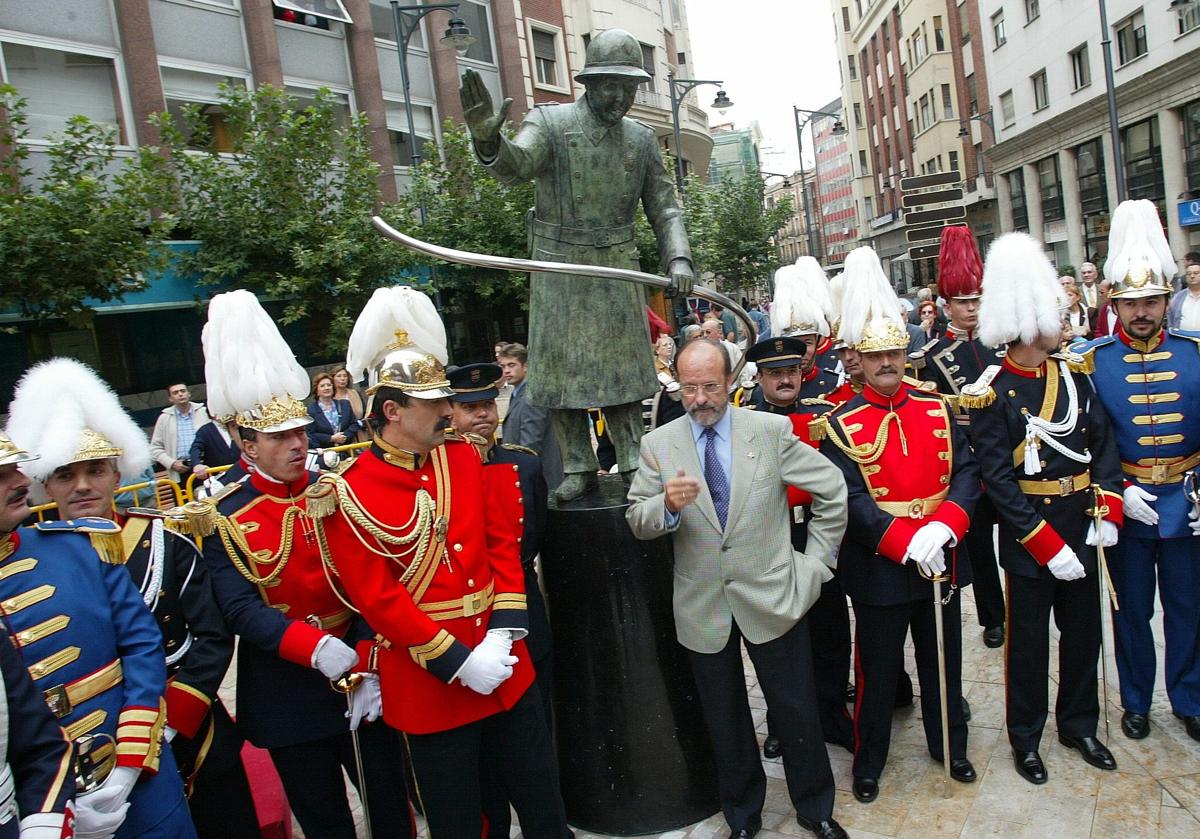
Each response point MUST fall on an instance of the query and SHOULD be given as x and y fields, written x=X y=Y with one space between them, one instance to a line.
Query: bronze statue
x=589 y=343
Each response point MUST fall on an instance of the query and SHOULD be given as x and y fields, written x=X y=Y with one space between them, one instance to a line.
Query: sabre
x=943 y=699
x=1191 y=489
x=348 y=684
x=1098 y=511
x=604 y=272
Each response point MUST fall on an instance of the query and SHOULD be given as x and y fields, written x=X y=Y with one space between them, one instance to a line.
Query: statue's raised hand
x=483 y=123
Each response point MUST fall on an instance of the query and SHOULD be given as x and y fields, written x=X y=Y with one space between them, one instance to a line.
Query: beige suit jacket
x=748 y=572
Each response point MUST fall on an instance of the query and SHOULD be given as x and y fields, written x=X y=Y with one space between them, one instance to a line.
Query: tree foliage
x=465 y=207
x=730 y=230
x=287 y=212
x=83 y=231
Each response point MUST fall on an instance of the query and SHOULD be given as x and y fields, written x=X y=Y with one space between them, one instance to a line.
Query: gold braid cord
x=236 y=546
x=413 y=535
x=867 y=453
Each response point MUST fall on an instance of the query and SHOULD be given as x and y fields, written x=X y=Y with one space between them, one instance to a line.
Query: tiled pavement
x=1155 y=791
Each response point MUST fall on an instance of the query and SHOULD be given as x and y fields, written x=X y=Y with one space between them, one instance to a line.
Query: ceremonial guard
x=426 y=542
x=36 y=781
x=1050 y=466
x=89 y=643
x=912 y=485
x=956 y=359
x=474 y=418
x=790 y=384
x=299 y=639
x=166 y=568
x=1148 y=380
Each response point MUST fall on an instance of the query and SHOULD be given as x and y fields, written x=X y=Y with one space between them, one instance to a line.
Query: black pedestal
x=634 y=754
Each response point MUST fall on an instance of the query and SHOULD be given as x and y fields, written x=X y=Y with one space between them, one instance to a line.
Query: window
x=190 y=87
x=863 y=168
x=1143 y=161
x=868 y=209
x=850 y=68
x=545 y=58
x=315 y=13
x=1032 y=10
x=1191 y=141
x=304 y=97
x=1016 y=193
x=918 y=47
x=857 y=116
x=845 y=18
x=397 y=123
x=972 y=95
x=59 y=85
x=385 y=29
x=1081 y=71
x=953 y=156
x=926 y=112
x=1041 y=94
x=998 y=29
x=1189 y=18
x=1131 y=38
x=648 y=66
x=1007 y=113
x=1050 y=188
x=475 y=15
x=1089 y=166
x=939 y=37
x=947 y=102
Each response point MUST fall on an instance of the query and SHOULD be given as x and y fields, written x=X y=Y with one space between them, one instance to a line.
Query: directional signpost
x=933 y=201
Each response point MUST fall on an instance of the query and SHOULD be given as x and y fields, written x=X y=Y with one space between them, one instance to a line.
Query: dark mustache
x=442 y=425
x=18 y=495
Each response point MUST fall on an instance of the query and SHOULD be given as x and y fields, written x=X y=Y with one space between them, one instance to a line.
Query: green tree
x=730 y=230
x=287 y=212
x=83 y=231
x=466 y=208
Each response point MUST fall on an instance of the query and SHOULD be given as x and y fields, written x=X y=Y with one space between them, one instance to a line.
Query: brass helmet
x=1139 y=261
x=399 y=341
x=614 y=52
x=11 y=453
x=408 y=368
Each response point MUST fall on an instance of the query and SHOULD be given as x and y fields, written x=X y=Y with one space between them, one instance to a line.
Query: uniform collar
x=887 y=402
x=396 y=456
x=267 y=485
x=1139 y=345
x=593 y=128
x=1023 y=371
x=956 y=334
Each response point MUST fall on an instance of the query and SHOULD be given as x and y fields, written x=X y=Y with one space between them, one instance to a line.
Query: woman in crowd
x=343 y=389
x=664 y=359
x=1077 y=317
x=333 y=422
x=928 y=320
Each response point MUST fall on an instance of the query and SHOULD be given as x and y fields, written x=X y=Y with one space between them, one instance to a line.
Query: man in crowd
x=1047 y=457
x=527 y=424
x=1089 y=289
x=298 y=638
x=952 y=361
x=738 y=578
x=91 y=647
x=912 y=486
x=473 y=409
x=216 y=444
x=165 y=567
x=426 y=541
x=175 y=431
x=1147 y=379
x=1184 y=311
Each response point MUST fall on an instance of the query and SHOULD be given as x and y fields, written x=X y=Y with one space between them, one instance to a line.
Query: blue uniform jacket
x=1151 y=392
x=72 y=616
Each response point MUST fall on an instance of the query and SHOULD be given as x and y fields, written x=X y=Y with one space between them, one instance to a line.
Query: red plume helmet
x=960 y=267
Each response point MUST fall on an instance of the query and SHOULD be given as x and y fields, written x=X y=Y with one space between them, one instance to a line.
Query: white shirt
x=1189 y=315
x=1090 y=294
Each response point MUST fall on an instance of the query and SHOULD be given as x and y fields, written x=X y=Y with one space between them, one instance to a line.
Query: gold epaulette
x=809 y=401
x=513 y=447
x=321 y=497
x=174 y=519
x=924 y=387
x=201 y=517
x=104 y=534
x=1076 y=363
x=979 y=393
x=109 y=547
x=818 y=428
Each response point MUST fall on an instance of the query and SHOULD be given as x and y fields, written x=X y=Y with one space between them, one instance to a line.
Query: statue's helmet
x=614 y=52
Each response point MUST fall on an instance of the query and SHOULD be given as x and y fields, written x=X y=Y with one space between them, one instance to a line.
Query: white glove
x=497 y=641
x=1108 y=534
x=485 y=669
x=1066 y=565
x=1137 y=505
x=926 y=546
x=44 y=825
x=333 y=658
x=1194 y=521
x=113 y=793
x=90 y=824
x=366 y=702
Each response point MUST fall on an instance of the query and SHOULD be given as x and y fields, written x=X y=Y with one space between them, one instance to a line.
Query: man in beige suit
x=716 y=480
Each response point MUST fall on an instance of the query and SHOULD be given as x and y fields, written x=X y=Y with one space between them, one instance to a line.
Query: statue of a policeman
x=589 y=343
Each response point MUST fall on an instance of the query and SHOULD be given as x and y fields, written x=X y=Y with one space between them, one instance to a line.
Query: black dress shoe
x=1135 y=726
x=1192 y=724
x=1093 y=751
x=1030 y=767
x=962 y=771
x=866 y=790
x=771 y=747
x=744 y=833
x=828 y=829
x=993 y=636
x=966 y=710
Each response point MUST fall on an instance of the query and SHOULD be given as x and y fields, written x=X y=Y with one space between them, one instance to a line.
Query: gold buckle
x=472 y=604
x=1159 y=473
x=1066 y=486
x=916 y=508
x=58 y=700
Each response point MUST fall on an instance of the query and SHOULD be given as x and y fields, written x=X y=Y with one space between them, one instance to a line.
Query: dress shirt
x=185 y=432
x=1189 y=316
x=724 y=444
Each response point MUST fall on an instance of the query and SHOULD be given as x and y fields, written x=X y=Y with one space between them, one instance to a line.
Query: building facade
x=1054 y=154
x=736 y=152
x=792 y=242
x=833 y=171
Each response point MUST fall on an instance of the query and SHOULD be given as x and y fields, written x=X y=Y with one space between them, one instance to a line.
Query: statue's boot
x=576 y=484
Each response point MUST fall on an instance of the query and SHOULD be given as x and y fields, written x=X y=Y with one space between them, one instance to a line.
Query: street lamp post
x=406 y=19
x=680 y=88
x=838 y=129
x=1111 y=91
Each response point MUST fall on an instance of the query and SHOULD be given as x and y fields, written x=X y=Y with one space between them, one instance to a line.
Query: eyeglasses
x=709 y=388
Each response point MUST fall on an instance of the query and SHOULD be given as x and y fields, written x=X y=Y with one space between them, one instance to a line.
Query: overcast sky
x=771 y=54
